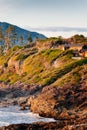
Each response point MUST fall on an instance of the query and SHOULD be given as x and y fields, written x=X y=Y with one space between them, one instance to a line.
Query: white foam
x=12 y=115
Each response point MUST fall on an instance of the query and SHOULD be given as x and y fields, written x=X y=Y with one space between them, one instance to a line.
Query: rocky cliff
x=53 y=84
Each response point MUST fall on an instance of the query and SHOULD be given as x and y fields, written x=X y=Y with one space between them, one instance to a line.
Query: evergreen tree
x=1 y=36
x=13 y=35
x=29 y=38
x=36 y=38
x=1 y=50
x=8 y=42
x=21 y=40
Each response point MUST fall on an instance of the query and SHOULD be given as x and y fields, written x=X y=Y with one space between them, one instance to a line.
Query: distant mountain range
x=20 y=33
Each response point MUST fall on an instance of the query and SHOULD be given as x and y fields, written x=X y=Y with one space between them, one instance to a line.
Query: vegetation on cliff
x=32 y=65
x=56 y=82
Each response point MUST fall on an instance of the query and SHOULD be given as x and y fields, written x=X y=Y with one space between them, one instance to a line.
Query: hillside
x=42 y=68
x=17 y=35
x=32 y=65
x=50 y=81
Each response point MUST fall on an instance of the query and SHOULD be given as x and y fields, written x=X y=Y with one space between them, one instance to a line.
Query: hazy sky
x=51 y=17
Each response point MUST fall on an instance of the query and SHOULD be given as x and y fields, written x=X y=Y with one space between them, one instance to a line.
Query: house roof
x=73 y=45
x=76 y=45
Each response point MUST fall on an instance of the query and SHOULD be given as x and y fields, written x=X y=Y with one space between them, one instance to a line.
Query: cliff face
x=61 y=103
x=57 y=82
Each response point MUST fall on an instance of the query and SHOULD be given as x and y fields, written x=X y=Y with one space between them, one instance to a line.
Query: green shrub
x=21 y=57
x=6 y=65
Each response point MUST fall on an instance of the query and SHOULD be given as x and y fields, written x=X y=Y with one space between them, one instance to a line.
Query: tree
x=78 y=38
x=21 y=39
x=29 y=38
x=37 y=38
x=13 y=35
x=60 y=39
x=1 y=36
x=8 y=42
x=1 y=50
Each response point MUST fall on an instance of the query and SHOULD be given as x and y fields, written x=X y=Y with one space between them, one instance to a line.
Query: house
x=79 y=50
x=83 y=51
x=70 y=46
x=76 y=46
x=64 y=47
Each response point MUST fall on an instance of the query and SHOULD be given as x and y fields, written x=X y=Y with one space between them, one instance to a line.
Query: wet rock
x=22 y=108
x=22 y=101
x=58 y=125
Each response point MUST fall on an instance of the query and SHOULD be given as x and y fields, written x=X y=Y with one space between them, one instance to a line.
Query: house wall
x=86 y=54
x=83 y=54
x=61 y=47
x=76 y=48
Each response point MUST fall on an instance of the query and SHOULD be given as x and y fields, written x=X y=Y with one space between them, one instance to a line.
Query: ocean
x=12 y=115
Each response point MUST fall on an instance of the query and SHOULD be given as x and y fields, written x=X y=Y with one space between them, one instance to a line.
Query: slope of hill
x=18 y=33
x=54 y=83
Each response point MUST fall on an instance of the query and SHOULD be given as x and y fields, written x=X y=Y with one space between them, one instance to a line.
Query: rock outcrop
x=18 y=89
x=61 y=103
x=14 y=66
x=59 y=125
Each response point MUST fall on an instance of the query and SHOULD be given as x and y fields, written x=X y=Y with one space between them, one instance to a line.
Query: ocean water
x=12 y=115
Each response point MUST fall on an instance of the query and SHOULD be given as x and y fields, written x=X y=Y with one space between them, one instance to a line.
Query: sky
x=50 y=17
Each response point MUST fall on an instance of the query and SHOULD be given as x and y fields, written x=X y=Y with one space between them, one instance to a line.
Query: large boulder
x=67 y=102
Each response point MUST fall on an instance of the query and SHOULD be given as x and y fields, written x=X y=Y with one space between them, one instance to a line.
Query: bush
x=5 y=65
x=21 y=57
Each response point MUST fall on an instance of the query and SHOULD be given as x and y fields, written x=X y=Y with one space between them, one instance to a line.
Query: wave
x=4 y=123
x=12 y=115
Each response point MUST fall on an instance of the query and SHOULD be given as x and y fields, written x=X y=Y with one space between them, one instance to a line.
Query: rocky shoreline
x=68 y=105
x=59 y=125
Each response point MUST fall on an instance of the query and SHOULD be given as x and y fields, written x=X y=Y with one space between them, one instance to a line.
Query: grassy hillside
x=45 y=67
x=53 y=83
